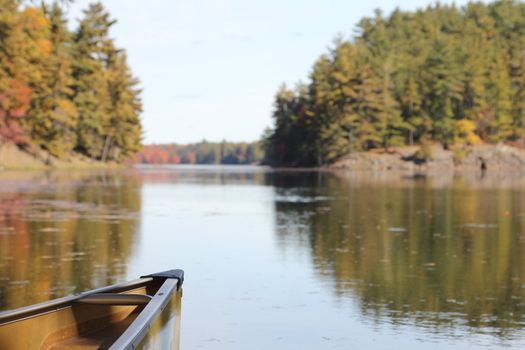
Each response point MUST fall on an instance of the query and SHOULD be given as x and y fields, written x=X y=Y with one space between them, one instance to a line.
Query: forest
x=202 y=153
x=67 y=92
x=442 y=74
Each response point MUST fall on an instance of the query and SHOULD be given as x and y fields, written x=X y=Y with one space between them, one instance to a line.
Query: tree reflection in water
x=64 y=233
x=438 y=252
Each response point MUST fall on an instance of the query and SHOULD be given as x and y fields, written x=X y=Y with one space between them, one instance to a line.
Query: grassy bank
x=15 y=158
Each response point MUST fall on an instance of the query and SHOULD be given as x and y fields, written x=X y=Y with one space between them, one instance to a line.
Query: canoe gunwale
x=64 y=302
x=158 y=289
x=115 y=299
x=134 y=334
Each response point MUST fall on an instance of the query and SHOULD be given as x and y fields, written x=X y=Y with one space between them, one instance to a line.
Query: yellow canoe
x=117 y=317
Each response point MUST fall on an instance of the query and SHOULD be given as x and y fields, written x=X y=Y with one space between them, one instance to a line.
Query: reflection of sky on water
x=284 y=260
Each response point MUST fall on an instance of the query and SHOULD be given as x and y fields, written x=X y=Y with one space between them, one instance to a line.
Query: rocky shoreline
x=479 y=158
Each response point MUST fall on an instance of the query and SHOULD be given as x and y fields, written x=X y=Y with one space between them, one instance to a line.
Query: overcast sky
x=210 y=68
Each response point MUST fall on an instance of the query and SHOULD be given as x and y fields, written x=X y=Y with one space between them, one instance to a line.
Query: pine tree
x=53 y=115
x=63 y=92
x=123 y=129
x=390 y=111
x=410 y=103
x=443 y=90
x=92 y=48
x=323 y=101
x=517 y=76
x=440 y=74
x=499 y=91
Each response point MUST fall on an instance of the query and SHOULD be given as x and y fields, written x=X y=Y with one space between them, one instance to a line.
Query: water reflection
x=64 y=232
x=281 y=257
x=439 y=252
x=203 y=174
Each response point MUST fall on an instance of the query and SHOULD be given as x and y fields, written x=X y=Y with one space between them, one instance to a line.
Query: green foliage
x=66 y=91
x=408 y=77
x=295 y=124
x=123 y=130
x=105 y=91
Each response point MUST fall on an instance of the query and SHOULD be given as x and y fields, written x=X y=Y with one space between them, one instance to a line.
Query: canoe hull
x=165 y=330
x=70 y=323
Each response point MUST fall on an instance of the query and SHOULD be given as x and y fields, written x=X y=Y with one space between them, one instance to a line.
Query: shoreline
x=14 y=158
x=468 y=159
x=478 y=159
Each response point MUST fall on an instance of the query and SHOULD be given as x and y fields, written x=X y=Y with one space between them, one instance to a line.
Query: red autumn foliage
x=14 y=102
x=201 y=153
x=154 y=155
x=174 y=159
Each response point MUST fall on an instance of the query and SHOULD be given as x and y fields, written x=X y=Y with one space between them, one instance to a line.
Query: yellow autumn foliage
x=466 y=132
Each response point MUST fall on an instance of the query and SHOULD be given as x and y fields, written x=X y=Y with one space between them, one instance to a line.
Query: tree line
x=66 y=91
x=440 y=74
x=202 y=153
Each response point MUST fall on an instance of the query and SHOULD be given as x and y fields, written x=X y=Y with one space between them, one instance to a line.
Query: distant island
x=230 y=153
x=442 y=75
x=65 y=97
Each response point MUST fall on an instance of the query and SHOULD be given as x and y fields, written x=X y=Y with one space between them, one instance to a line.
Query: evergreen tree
x=440 y=73
x=442 y=95
x=289 y=115
x=123 y=129
x=500 y=99
x=53 y=115
x=65 y=92
x=410 y=104
x=92 y=49
x=517 y=76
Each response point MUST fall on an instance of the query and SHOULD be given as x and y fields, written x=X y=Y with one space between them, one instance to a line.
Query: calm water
x=290 y=260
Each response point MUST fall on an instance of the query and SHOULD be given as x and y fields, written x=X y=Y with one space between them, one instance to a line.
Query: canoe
x=116 y=317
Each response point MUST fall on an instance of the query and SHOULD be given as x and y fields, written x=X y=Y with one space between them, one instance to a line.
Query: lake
x=281 y=260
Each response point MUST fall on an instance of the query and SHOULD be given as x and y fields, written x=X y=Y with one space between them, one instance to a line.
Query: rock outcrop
x=493 y=158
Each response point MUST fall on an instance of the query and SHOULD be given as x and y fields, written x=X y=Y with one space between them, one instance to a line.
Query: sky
x=209 y=69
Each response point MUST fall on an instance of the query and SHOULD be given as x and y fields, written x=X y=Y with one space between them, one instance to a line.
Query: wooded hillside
x=66 y=92
x=441 y=74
